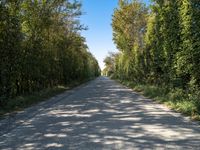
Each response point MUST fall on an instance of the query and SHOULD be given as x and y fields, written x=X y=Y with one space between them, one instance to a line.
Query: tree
x=159 y=45
x=10 y=49
x=129 y=26
x=188 y=58
x=41 y=46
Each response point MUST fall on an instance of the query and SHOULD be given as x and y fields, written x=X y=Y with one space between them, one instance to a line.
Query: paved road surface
x=99 y=115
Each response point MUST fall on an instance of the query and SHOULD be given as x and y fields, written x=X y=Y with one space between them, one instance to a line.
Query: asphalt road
x=99 y=115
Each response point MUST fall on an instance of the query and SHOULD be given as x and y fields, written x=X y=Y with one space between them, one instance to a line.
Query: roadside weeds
x=19 y=103
x=175 y=99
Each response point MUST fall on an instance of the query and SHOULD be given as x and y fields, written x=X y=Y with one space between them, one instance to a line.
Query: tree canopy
x=158 y=44
x=41 y=46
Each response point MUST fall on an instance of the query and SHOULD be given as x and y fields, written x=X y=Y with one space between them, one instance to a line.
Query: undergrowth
x=23 y=101
x=177 y=99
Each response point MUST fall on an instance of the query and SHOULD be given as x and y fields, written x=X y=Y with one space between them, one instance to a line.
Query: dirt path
x=100 y=115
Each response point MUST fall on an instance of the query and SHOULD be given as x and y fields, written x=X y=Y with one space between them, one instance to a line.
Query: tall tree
x=41 y=46
x=129 y=26
x=188 y=58
x=10 y=48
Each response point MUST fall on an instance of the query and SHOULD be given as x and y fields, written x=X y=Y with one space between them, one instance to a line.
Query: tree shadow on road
x=104 y=115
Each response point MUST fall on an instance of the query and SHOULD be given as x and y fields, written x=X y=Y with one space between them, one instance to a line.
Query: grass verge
x=175 y=99
x=21 y=102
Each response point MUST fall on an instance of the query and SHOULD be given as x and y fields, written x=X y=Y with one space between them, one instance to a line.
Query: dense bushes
x=159 y=45
x=41 y=47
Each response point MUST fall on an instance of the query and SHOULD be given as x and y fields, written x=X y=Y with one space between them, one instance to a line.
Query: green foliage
x=110 y=64
x=160 y=46
x=176 y=99
x=188 y=58
x=160 y=49
x=21 y=102
x=18 y=103
x=129 y=26
x=41 y=47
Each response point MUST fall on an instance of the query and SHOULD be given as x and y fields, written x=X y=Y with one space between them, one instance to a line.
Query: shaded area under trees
x=41 y=46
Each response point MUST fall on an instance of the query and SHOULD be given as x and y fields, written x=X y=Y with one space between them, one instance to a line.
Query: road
x=101 y=114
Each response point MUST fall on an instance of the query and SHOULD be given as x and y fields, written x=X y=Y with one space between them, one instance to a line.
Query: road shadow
x=104 y=115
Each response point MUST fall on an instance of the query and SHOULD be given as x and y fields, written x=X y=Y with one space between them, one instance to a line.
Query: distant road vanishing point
x=101 y=114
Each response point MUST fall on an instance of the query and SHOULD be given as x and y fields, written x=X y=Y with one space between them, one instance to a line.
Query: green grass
x=24 y=101
x=176 y=99
x=20 y=102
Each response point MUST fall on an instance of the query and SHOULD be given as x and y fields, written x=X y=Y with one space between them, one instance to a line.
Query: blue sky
x=98 y=17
